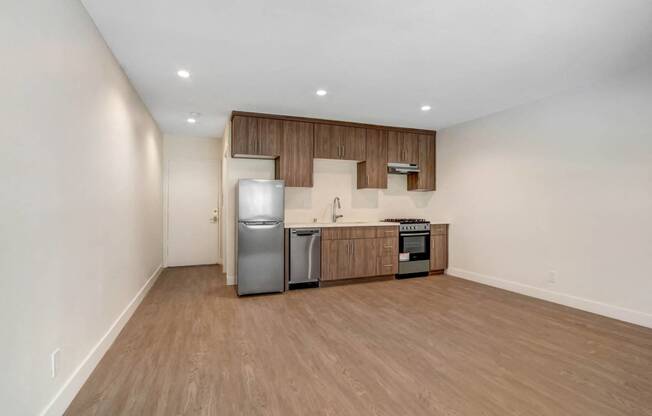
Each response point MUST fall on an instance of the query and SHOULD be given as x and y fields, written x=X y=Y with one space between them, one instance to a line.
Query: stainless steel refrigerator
x=259 y=236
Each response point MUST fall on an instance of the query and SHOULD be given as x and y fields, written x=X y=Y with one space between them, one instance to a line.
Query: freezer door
x=260 y=265
x=260 y=200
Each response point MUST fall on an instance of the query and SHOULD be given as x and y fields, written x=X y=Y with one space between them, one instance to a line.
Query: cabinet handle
x=388 y=246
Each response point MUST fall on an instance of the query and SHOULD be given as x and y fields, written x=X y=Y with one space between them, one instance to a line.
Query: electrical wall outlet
x=552 y=276
x=54 y=362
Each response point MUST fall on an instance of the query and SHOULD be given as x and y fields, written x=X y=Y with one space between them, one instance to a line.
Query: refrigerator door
x=260 y=265
x=260 y=200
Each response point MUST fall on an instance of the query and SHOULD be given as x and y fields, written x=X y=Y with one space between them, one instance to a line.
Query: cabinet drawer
x=347 y=233
x=383 y=232
x=387 y=265
x=387 y=246
x=438 y=229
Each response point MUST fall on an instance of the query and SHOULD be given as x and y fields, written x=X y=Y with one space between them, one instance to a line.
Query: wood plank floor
x=430 y=346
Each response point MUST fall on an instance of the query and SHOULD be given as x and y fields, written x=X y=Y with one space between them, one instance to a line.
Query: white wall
x=177 y=148
x=80 y=201
x=563 y=184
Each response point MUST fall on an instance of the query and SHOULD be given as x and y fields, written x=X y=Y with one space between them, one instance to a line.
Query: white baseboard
x=230 y=280
x=71 y=387
x=611 y=311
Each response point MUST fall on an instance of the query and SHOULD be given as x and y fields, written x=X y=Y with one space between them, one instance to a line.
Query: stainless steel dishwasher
x=305 y=257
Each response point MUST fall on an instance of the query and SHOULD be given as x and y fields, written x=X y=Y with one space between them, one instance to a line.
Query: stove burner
x=407 y=220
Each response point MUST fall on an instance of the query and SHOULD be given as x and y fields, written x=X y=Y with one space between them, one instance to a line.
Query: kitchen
x=329 y=208
x=401 y=248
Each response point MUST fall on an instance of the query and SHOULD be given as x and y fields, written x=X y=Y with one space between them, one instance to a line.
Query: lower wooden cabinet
x=438 y=247
x=354 y=252
x=336 y=259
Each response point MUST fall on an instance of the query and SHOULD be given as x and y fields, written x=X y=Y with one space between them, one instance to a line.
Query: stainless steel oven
x=414 y=248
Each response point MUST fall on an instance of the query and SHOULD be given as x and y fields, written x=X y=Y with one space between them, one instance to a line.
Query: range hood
x=402 y=168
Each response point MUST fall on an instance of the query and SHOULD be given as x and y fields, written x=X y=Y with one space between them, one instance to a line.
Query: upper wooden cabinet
x=372 y=173
x=402 y=147
x=294 y=165
x=339 y=142
x=253 y=136
x=427 y=160
x=294 y=141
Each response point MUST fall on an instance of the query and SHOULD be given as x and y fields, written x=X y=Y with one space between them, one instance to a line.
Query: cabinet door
x=328 y=141
x=295 y=162
x=372 y=173
x=393 y=147
x=402 y=147
x=425 y=179
x=439 y=252
x=410 y=147
x=244 y=136
x=337 y=259
x=269 y=137
x=353 y=143
x=365 y=255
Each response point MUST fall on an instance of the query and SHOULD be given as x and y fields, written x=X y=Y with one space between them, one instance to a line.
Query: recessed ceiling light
x=191 y=120
x=425 y=108
x=183 y=73
x=321 y=93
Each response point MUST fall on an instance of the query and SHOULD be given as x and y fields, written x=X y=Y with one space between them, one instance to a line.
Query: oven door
x=417 y=244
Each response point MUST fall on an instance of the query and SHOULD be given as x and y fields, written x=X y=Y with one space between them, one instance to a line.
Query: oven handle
x=415 y=234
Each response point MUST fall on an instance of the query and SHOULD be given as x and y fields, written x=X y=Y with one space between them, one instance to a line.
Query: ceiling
x=379 y=60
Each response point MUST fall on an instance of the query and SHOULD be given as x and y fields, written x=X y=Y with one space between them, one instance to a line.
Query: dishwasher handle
x=307 y=232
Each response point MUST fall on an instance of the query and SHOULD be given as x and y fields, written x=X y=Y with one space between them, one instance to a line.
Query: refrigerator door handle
x=262 y=226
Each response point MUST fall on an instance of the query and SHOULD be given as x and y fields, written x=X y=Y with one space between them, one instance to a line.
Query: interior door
x=192 y=221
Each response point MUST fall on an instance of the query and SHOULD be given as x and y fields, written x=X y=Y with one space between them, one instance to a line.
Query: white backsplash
x=338 y=178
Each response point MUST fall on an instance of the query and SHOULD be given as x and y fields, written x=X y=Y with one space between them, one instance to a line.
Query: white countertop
x=339 y=224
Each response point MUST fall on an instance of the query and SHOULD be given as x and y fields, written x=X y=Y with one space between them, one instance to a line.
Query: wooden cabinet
x=254 y=136
x=294 y=141
x=387 y=260
x=438 y=247
x=336 y=259
x=425 y=179
x=339 y=142
x=365 y=257
x=294 y=164
x=354 y=252
x=372 y=173
x=402 y=147
x=270 y=133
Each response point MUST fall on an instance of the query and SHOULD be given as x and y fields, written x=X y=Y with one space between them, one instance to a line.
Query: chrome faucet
x=336 y=204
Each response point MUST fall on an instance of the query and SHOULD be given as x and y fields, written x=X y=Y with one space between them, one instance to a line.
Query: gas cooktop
x=407 y=220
